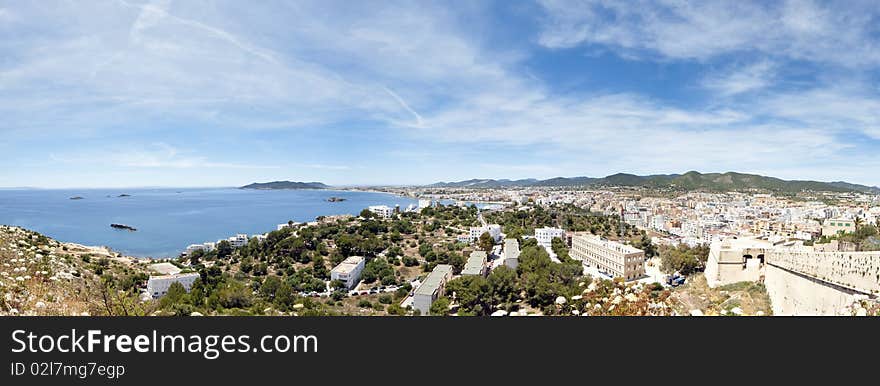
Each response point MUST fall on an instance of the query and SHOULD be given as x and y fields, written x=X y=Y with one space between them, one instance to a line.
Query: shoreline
x=110 y=252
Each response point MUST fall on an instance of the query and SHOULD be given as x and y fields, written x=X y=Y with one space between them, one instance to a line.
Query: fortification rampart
x=859 y=271
x=799 y=280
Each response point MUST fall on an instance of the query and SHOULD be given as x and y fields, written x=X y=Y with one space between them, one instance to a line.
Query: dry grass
x=750 y=297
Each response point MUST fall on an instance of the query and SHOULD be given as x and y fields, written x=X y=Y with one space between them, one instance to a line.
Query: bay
x=167 y=220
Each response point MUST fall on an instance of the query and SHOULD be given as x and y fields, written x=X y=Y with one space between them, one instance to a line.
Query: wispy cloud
x=323 y=166
x=156 y=155
x=349 y=81
x=701 y=30
x=419 y=123
x=6 y=15
x=738 y=80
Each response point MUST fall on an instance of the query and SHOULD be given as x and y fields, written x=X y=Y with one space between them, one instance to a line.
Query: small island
x=335 y=199
x=123 y=226
x=77 y=198
x=280 y=185
x=124 y=195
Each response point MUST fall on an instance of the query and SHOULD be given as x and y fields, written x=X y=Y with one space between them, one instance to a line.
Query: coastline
x=255 y=214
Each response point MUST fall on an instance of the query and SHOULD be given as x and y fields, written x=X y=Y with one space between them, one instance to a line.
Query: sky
x=126 y=93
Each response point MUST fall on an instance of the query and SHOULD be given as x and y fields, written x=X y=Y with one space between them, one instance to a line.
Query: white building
x=546 y=235
x=494 y=230
x=238 y=240
x=511 y=253
x=205 y=247
x=383 y=211
x=432 y=288
x=425 y=203
x=286 y=225
x=476 y=264
x=158 y=286
x=195 y=247
x=834 y=226
x=609 y=257
x=658 y=222
x=349 y=271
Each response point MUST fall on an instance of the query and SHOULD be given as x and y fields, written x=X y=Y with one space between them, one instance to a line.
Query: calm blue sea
x=167 y=220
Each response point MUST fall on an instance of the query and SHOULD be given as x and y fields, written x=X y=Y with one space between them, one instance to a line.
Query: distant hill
x=692 y=180
x=277 y=185
x=856 y=187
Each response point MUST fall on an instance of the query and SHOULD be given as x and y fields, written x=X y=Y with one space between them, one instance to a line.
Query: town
x=477 y=251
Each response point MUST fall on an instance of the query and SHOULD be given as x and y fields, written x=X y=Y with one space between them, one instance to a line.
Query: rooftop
x=434 y=280
x=175 y=276
x=164 y=268
x=475 y=263
x=511 y=249
x=348 y=265
x=608 y=244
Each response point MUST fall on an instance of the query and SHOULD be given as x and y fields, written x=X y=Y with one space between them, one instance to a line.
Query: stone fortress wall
x=800 y=280
x=793 y=293
x=859 y=271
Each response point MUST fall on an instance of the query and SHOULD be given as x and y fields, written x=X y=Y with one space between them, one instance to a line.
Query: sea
x=168 y=220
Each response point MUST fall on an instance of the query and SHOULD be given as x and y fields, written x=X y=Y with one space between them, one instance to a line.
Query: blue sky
x=222 y=93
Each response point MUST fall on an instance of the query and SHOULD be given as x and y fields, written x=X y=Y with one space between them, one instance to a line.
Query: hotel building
x=609 y=257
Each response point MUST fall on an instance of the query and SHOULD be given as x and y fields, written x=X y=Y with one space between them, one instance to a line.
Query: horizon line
x=369 y=185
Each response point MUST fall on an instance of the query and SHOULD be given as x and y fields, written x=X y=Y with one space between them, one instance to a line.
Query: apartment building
x=432 y=288
x=157 y=286
x=511 y=253
x=834 y=226
x=609 y=257
x=546 y=235
x=383 y=211
x=494 y=230
x=349 y=271
x=238 y=240
x=476 y=264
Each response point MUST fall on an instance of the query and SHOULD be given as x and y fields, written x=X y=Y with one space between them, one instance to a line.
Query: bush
x=385 y=299
x=395 y=309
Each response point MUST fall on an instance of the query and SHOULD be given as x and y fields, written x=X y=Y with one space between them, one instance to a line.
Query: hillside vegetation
x=41 y=276
x=716 y=182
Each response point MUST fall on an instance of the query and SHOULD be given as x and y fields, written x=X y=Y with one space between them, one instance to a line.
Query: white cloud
x=157 y=155
x=410 y=70
x=406 y=107
x=841 y=109
x=323 y=166
x=755 y=76
x=701 y=30
x=6 y=15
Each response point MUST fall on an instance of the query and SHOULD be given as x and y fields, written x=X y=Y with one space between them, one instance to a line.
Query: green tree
x=644 y=243
x=224 y=249
x=683 y=258
x=176 y=294
x=440 y=307
x=284 y=296
x=195 y=256
x=503 y=284
x=486 y=242
x=472 y=294
x=270 y=287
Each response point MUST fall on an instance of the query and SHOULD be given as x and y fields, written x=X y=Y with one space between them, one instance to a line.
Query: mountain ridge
x=279 y=185
x=691 y=180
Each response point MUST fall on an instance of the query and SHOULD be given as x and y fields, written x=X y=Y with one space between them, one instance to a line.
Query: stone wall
x=854 y=270
x=796 y=294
